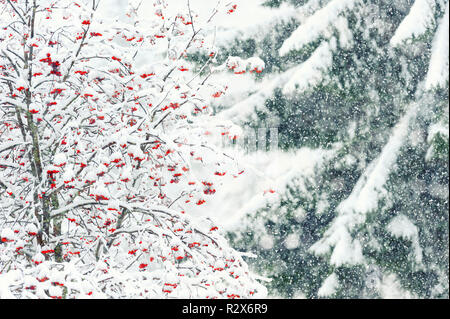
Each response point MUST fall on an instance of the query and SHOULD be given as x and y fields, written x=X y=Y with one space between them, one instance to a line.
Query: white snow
x=416 y=23
x=245 y=106
x=8 y=279
x=292 y=241
x=363 y=199
x=437 y=128
x=266 y=242
x=311 y=72
x=438 y=68
x=390 y=288
x=7 y=233
x=316 y=25
x=401 y=226
x=329 y=286
x=263 y=171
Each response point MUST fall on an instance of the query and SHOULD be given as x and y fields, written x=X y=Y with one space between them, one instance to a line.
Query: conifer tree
x=365 y=81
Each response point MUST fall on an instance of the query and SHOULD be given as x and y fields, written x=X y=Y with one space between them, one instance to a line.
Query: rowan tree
x=102 y=153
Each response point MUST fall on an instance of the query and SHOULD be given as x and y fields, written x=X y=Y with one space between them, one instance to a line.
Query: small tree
x=101 y=156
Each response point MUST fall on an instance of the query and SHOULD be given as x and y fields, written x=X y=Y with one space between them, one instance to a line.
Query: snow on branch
x=312 y=71
x=438 y=69
x=362 y=200
x=316 y=25
x=416 y=23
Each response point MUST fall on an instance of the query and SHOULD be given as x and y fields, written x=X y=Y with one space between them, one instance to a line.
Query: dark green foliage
x=367 y=91
x=291 y=270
